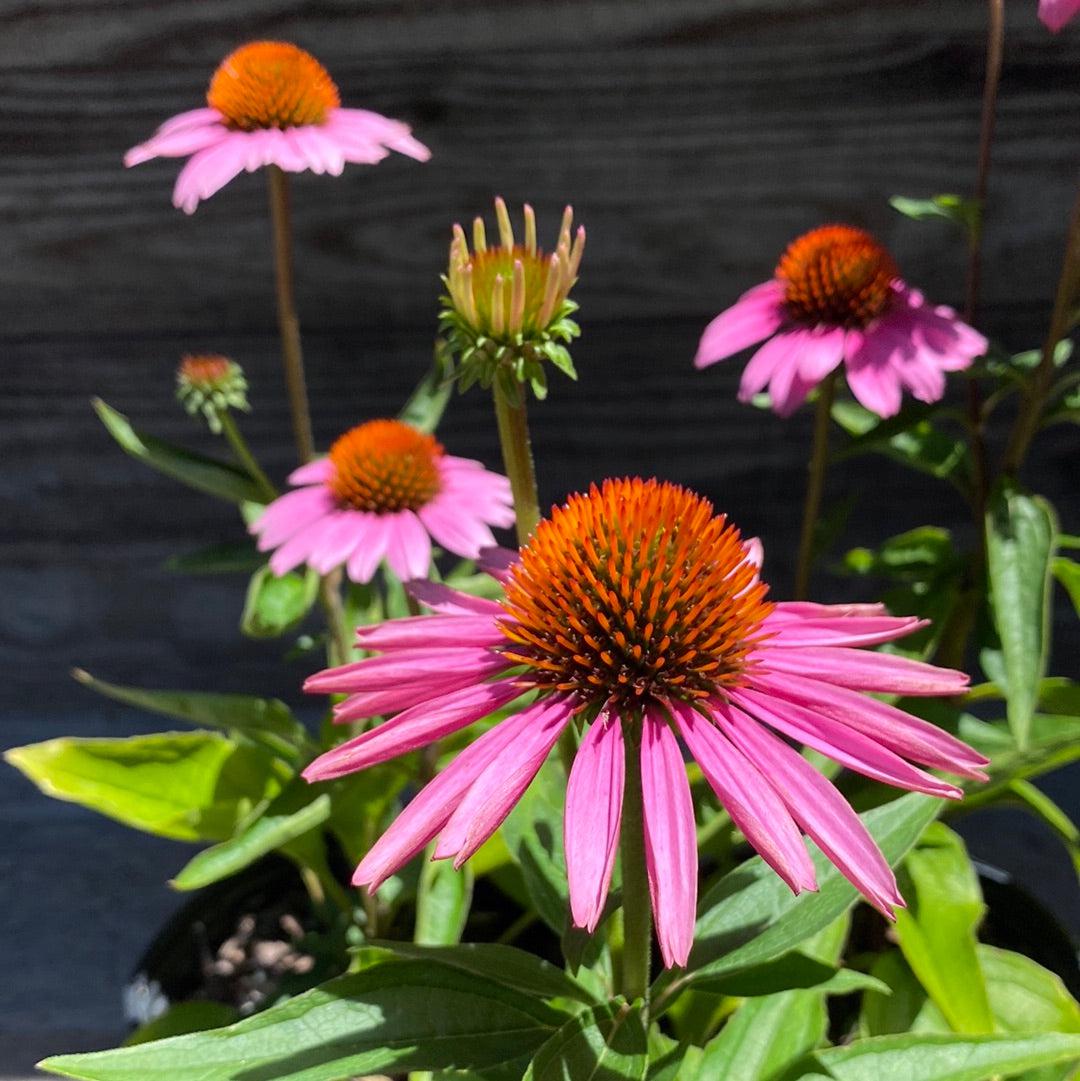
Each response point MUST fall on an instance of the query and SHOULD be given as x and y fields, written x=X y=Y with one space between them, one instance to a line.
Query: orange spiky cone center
x=385 y=466
x=272 y=84
x=634 y=590
x=205 y=371
x=836 y=275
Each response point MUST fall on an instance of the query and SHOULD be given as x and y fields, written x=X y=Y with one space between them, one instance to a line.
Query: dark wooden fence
x=693 y=138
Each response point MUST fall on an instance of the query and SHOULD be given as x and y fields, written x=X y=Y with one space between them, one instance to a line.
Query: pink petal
x=459 y=534
x=852 y=749
x=178 y=143
x=408 y=546
x=820 y=351
x=775 y=354
x=749 y=798
x=388 y=671
x=346 y=529
x=882 y=673
x=910 y=736
x=416 y=727
x=853 y=631
x=818 y=808
x=494 y=793
x=369 y=552
x=299 y=547
x=208 y=171
x=594 y=795
x=290 y=513
x=871 y=378
x=440 y=598
x=670 y=839
x=429 y=810
x=418 y=631
x=415 y=692
x=497 y=561
x=316 y=472
x=754 y=316
x=1056 y=13
x=810 y=610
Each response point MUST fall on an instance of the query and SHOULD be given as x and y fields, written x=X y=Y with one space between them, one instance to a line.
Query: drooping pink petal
x=594 y=795
x=417 y=825
x=415 y=692
x=811 y=610
x=746 y=794
x=415 y=727
x=909 y=736
x=345 y=530
x=363 y=123
x=290 y=513
x=178 y=143
x=494 y=793
x=818 y=808
x=883 y=673
x=408 y=546
x=417 y=632
x=821 y=349
x=1056 y=13
x=458 y=534
x=440 y=598
x=853 y=631
x=844 y=745
x=789 y=388
x=755 y=315
x=498 y=561
x=670 y=839
x=871 y=378
x=369 y=552
x=208 y=171
x=316 y=472
x=388 y=671
x=776 y=354
x=298 y=548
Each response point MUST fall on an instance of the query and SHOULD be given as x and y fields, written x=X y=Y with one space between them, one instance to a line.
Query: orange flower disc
x=385 y=466
x=634 y=589
x=837 y=275
x=272 y=84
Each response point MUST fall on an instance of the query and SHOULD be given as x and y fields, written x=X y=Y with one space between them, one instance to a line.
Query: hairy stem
x=815 y=485
x=518 y=461
x=288 y=323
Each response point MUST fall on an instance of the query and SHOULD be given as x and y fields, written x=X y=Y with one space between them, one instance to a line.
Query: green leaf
x=184 y=1017
x=1067 y=572
x=275 y=605
x=1024 y=996
x=505 y=965
x=391 y=1018
x=229 y=558
x=955 y=208
x=240 y=712
x=190 y=786
x=428 y=401
x=296 y=810
x=937 y=932
x=195 y=470
x=750 y=916
x=442 y=903
x=904 y=1008
x=793 y=971
x=1020 y=532
x=928 y=1057
x=606 y=1043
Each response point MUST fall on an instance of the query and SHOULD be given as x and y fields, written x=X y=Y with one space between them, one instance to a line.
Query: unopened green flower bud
x=211 y=385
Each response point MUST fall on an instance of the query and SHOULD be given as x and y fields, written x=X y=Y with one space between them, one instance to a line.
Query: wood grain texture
x=694 y=138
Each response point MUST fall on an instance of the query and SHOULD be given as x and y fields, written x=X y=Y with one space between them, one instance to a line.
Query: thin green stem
x=338 y=644
x=288 y=323
x=637 y=914
x=1068 y=291
x=243 y=454
x=517 y=460
x=815 y=484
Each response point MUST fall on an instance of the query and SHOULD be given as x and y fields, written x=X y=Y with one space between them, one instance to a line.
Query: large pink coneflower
x=383 y=493
x=636 y=615
x=1056 y=13
x=270 y=103
x=837 y=297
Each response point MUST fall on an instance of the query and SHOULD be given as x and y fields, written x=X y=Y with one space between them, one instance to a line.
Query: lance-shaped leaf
x=427 y=403
x=443 y=896
x=605 y=1043
x=274 y=604
x=391 y=1018
x=195 y=470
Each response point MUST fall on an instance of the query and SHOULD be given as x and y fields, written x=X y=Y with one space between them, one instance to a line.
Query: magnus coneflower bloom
x=384 y=492
x=837 y=296
x=210 y=385
x=636 y=613
x=508 y=305
x=1056 y=13
x=270 y=103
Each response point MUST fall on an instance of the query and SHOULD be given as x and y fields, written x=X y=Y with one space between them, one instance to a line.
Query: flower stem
x=637 y=914
x=517 y=459
x=243 y=454
x=1068 y=291
x=815 y=485
x=338 y=645
x=288 y=323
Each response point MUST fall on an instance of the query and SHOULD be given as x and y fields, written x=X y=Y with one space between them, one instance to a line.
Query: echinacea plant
x=542 y=758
